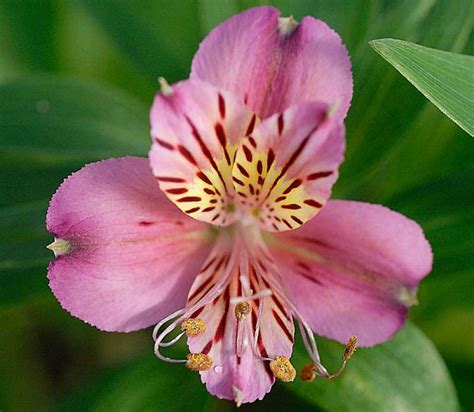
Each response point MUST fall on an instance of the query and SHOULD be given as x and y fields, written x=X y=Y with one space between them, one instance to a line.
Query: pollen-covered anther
x=242 y=309
x=351 y=347
x=193 y=327
x=198 y=362
x=283 y=369
x=308 y=373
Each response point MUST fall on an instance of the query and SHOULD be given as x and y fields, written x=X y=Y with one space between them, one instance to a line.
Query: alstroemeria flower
x=230 y=236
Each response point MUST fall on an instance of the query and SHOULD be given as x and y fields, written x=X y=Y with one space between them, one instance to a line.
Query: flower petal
x=196 y=130
x=132 y=255
x=354 y=269
x=273 y=65
x=238 y=373
x=285 y=169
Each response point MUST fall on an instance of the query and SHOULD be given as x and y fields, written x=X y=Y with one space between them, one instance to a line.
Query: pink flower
x=226 y=237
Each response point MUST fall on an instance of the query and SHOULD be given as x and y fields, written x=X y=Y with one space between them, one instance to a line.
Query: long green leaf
x=446 y=79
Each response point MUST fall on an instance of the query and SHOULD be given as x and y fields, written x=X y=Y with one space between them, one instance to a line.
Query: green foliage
x=447 y=79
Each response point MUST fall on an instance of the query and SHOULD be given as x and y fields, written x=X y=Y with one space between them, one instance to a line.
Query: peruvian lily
x=229 y=237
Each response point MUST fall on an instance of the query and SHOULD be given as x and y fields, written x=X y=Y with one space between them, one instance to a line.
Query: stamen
x=351 y=347
x=193 y=327
x=283 y=369
x=308 y=373
x=242 y=309
x=198 y=362
x=60 y=247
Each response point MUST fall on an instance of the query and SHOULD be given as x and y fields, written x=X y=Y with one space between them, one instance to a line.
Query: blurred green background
x=76 y=80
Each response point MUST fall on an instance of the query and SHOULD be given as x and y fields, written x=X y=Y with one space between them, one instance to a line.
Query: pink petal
x=196 y=130
x=248 y=55
x=354 y=269
x=237 y=373
x=284 y=170
x=133 y=254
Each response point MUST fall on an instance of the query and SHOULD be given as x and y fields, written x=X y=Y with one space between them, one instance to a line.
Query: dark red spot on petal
x=207 y=348
x=296 y=183
x=242 y=170
x=296 y=219
x=291 y=206
x=192 y=210
x=313 y=203
x=247 y=153
x=270 y=158
x=319 y=175
x=221 y=105
x=187 y=154
x=203 y=177
x=238 y=181
x=250 y=128
x=146 y=223
x=170 y=179
x=189 y=199
x=280 y=123
x=164 y=144
x=177 y=191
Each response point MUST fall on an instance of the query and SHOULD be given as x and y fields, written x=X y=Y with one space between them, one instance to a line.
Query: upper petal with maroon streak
x=285 y=169
x=249 y=56
x=353 y=270
x=196 y=130
x=133 y=254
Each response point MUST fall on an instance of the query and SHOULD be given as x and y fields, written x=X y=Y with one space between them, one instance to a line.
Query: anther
x=242 y=309
x=283 y=369
x=60 y=247
x=193 y=327
x=351 y=347
x=165 y=88
x=198 y=362
x=308 y=373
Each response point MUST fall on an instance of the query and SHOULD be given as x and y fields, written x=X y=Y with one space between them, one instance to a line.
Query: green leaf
x=50 y=128
x=404 y=374
x=446 y=79
x=160 y=37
